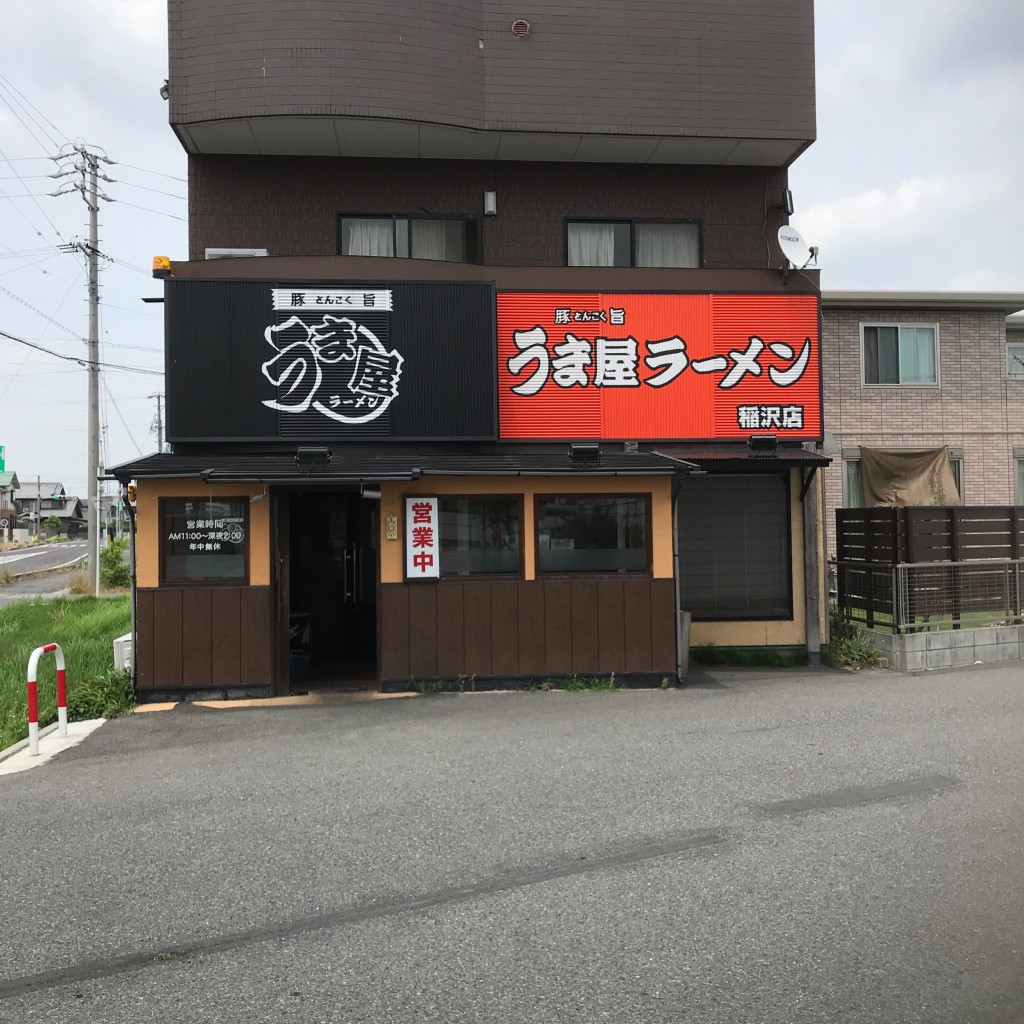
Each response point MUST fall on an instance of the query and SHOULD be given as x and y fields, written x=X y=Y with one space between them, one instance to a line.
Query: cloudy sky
x=914 y=183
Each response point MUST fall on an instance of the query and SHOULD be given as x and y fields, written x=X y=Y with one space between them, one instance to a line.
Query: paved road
x=45 y=556
x=771 y=847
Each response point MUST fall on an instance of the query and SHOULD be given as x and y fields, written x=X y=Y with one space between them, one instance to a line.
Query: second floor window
x=900 y=354
x=1015 y=360
x=422 y=238
x=625 y=243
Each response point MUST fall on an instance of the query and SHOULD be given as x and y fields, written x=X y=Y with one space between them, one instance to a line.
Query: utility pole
x=158 y=423
x=93 y=202
x=88 y=167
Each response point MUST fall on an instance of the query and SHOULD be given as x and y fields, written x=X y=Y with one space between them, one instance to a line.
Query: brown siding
x=289 y=205
x=195 y=638
x=526 y=628
x=733 y=68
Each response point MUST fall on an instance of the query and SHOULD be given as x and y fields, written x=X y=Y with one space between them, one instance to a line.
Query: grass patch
x=86 y=628
x=747 y=657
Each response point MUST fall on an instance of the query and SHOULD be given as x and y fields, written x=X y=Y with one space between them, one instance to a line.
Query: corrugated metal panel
x=236 y=369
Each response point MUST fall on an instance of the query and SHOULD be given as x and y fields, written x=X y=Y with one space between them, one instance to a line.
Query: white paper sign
x=422 y=540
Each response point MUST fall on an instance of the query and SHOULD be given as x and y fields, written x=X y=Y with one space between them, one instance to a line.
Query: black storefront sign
x=317 y=361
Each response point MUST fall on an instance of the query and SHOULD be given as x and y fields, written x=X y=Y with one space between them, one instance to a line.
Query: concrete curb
x=52 y=570
x=22 y=744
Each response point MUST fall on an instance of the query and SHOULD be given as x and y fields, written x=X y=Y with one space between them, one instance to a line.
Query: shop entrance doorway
x=331 y=590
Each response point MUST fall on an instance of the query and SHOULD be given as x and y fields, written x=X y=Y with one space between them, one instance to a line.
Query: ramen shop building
x=497 y=387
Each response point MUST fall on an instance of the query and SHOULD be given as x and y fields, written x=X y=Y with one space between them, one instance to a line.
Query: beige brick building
x=917 y=370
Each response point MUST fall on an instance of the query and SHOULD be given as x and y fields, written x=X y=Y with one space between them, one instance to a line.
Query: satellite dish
x=794 y=248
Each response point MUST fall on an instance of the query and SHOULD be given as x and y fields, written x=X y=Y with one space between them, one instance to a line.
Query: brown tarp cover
x=907 y=478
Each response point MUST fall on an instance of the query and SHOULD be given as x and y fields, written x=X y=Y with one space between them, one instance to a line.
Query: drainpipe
x=131 y=562
x=812 y=570
x=682 y=618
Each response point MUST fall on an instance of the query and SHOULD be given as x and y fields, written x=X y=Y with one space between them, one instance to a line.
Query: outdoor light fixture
x=585 y=454
x=490 y=204
x=165 y=93
x=787 y=202
x=762 y=444
x=370 y=493
x=307 y=458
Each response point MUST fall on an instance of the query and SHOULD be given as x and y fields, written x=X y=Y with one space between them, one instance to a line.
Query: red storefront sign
x=658 y=366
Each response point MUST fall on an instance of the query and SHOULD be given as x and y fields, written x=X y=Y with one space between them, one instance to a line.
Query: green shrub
x=848 y=647
x=115 y=572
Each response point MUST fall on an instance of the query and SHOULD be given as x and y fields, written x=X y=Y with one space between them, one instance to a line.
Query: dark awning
x=365 y=464
x=739 y=458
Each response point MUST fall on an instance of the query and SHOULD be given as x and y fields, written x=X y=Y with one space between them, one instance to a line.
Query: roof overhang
x=738 y=458
x=993 y=302
x=294 y=135
x=391 y=463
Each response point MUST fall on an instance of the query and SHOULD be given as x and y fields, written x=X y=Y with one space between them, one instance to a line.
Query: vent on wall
x=227 y=254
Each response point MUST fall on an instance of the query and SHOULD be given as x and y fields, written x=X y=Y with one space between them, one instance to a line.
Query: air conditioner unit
x=227 y=254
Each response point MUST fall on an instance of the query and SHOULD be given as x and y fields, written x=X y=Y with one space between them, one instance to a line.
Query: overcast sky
x=914 y=183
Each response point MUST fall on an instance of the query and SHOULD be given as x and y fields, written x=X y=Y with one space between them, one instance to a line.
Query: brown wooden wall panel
x=257 y=634
x=167 y=667
x=143 y=653
x=477 y=638
x=583 y=617
x=637 y=597
x=557 y=628
x=611 y=627
x=504 y=629
x=530 y=612
x=423 y=630
x=450 y=631
x=226 y=652
x=663 y=633
x=393 y=631
x=537 y=629
x=197 y=625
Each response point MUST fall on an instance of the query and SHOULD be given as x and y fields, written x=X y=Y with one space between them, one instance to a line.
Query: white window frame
x=900 y=326
x=852 y=454
x=1018 y=474
x=1017 y=344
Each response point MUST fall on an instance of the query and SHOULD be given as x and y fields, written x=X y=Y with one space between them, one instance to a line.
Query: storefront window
x=480 y=536
x=593 y=534
x=203 y=540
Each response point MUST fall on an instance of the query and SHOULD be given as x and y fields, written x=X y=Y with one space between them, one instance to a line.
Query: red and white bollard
x=33 y=701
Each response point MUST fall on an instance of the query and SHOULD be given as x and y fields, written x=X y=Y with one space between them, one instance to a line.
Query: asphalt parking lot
x=773 y=846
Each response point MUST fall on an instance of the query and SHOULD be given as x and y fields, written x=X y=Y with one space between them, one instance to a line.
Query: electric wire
x=79 y=359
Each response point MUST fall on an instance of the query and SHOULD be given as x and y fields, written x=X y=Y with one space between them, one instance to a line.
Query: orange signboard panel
x=579 y=365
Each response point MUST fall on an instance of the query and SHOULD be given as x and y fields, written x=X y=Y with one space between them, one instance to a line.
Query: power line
x=22 y=96
x=78 y=359
x=147 y=171
x=45 y=316
x=113 y=402
x=145 y=188
x=149 y=210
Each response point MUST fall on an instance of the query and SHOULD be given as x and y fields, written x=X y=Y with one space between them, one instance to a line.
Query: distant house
x=48 y=498
x=8 y=485
x=913 y=371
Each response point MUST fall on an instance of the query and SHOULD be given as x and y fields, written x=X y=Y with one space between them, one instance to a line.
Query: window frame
x=208 y=581
x=473 y=234
x=597 y=574
x=787 y=615
x=900 y=325
x=1019 y=344
x=633 y=222
x=485 y=577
